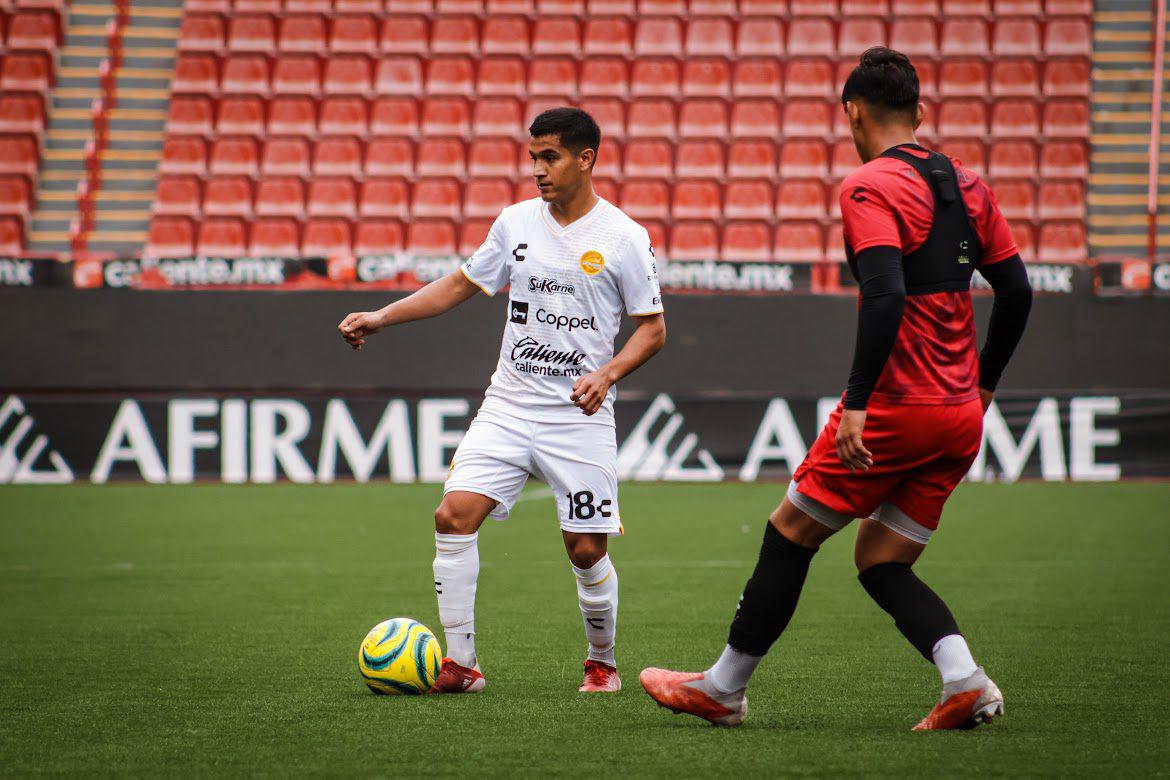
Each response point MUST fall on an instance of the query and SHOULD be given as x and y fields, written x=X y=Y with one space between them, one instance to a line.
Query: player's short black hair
x=575 y=128
x=884 y=79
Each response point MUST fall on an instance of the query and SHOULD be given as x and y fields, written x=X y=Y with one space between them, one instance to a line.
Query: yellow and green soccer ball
x=399 y=655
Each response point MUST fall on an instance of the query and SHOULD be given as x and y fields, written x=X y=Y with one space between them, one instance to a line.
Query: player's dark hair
x=575 y=128
x=884 y=79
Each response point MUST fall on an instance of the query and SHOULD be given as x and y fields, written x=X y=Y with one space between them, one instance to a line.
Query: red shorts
x=920 y=454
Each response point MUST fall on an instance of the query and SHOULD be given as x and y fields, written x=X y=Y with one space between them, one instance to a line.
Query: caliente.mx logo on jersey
x=530 y=356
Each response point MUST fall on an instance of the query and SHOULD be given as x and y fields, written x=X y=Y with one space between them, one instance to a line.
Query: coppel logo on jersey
x=559 y=321
x=518 y=312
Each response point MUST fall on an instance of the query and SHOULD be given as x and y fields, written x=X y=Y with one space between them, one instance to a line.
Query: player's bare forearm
x=436 y=298
x=644 y=343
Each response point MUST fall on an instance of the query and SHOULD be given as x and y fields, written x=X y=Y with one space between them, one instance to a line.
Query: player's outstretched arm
x=1009 y=316
x=438 y=297
x=590 y=390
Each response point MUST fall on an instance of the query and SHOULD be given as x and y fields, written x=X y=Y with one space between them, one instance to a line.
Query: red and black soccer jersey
x=887 y=202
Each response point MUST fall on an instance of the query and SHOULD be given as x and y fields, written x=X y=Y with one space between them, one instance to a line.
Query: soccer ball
x=399 y=655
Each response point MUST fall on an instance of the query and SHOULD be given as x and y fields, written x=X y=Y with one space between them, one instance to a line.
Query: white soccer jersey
x=569 y=286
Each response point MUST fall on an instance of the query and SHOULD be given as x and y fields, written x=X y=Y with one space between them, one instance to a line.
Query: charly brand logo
x=516 y=252
x=550 y=286
x=592 y=263
x=21 y=468
x=519 y=312
x=559 y=321
x=532 y=357
x=964 y=259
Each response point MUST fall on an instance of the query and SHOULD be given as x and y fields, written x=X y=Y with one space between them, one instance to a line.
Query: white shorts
x=577 y=460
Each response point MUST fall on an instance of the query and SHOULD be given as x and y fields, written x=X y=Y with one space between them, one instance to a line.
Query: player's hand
x=849 y=447
x=985 y=397
x=589 y=391
x=355 y=327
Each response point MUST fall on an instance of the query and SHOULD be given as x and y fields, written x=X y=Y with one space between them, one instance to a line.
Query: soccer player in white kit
x=573 y=262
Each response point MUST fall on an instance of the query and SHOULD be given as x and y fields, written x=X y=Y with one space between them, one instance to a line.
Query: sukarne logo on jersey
x=564 y=321
x=519 y=312
x=548 y=286
x=530 y=356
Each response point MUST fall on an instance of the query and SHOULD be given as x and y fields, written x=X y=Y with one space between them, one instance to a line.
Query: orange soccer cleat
x=690 y=692
x=454 y=678
x=965 y=704
x=600 y=677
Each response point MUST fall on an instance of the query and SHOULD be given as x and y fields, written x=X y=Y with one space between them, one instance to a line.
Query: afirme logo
x=17 y=467
x=643 y=458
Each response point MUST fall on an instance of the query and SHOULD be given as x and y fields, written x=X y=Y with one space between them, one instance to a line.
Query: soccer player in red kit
x=917 y=225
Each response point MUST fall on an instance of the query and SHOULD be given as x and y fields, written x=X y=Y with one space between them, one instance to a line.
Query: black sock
x=770 y=596
x=918 y=612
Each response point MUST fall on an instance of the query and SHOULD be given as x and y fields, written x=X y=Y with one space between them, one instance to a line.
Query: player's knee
x=448 y=520
x=584 y=553
x=798 y=527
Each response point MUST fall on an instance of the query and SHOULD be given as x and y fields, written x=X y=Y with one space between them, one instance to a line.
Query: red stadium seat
x=274 y=237
x=927 y=79
x=486 y=197
x=326 y=238
x=526 y=190
x=296 y=75
x=234 y=155
x=354 y=35
x=247 y=32
x=353 y=7
x=280 y=196
x=748 y=199
x=1017 y=198
x=332 y=197
x=454 y=35
x=446 y=116
x=835 y=243
x=751 y=159
x=657 y=36
x=1015 y=119
x=712 y=7
x=655 y=78
x=430 y=237
x=549 y=76
x=405 y=35
x=228 y=196
x=1067 y=78
x=645 y=199
x=845 y=160
x=1071 y=7
x=709 y=37
x=963 y=78
x=501 y=76
x=28 y=71
x=1063 y=242
x=865 y=7
x=813 y=7
x=662 y=7
x=966 y=7
x=1066 y=119
x=1019 y=7
x=245 y=74
x=799 y=242
x=914 y=36
x=747 y=242
x=602 y=36
x=651 y=117
x=384 y=198
x=1025 y=239
x=493 y=157
x=289 y=115
x=394 y=116
x=187 y=115
x=707 y=118
x=763 y=7
x=605 y=76
x=389 y=157
x=755 y=119
x=1061 y=200
x=302 y=34
x=962 y=118
x=915 y=8
x=855 y=35
x=181 y=154
x=440 y=157
x=1018 y=37
x=472 y=234
x=383 y=237
x=600 y=8
x=436 y=198
x=809 y=78
x=562 y=35
x=1065 y=159
x=347 y=75
x=285 y=157
x=964 y=37
x=199 y=32
x=967 y=151
x=343 y=116
x=1068 y=37
x=1012 y=159
x=811 y=37
x=696 y=199
x=694 y=241
x=11 y=235
x=242 y=115
x=696 y=159
x=1014 y=78
x=256 y=6
x=497 y=116
x=337 y=157
x=194 y=72
x=451 y=76
x=177 y=196
x=221 y=237
x=170 y=237
x=649 y=159
x=801 y=199
x=807 y=118
x=22 y=113
x=756 y=78
x=761 y=37
x=505 y=35
x=521 y=7
x=834 y=201
x=609 y=160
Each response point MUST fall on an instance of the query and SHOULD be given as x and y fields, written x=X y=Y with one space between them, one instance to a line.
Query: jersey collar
x=560 y=232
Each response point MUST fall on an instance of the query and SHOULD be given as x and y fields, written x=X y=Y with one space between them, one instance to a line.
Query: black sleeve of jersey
x=883 y=297
x=1009 y=315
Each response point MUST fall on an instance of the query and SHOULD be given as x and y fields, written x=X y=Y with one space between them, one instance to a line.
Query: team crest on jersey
x=592 y=263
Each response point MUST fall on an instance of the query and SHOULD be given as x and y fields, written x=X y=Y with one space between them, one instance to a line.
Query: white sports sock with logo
x=597 y=593
x=953 y=658
x=456 y=573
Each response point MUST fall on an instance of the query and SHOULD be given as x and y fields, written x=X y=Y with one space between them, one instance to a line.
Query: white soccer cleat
x=965 y=704
x=690 y=692
x=600 y=677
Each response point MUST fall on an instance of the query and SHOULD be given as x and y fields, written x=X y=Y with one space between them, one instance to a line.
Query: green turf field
x=213 y=630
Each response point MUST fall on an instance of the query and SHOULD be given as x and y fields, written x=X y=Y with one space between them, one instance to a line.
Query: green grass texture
x=213 y=631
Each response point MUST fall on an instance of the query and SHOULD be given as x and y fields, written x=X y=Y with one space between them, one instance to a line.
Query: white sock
x=456 y=573
x=732 y=671
x=953 y=658
x=597 y=593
